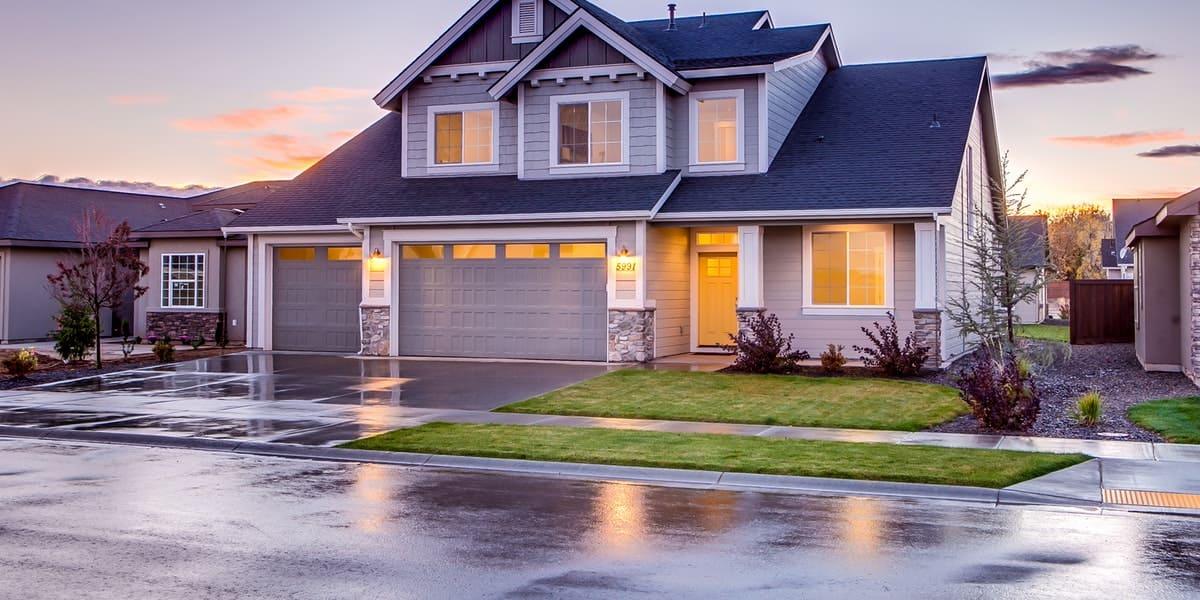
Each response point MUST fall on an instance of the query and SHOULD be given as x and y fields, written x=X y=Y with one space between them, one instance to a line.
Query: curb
x=641 y=475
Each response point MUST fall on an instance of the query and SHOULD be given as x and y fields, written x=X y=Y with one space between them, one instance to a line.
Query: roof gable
x=583 y=49
x=490 y=39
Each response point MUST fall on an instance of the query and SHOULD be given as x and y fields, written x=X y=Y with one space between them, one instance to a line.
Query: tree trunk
x=96 y=318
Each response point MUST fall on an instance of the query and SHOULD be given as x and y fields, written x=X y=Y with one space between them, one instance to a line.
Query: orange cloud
x=321 y=94
x=137 y=99
x=1121 y=140
x=249 y=119
x=283 y=154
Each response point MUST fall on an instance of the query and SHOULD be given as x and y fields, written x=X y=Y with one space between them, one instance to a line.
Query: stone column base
x=927 y=331
x=376 y=330
x=745 y=316
x=178 y=324
x=630 y=335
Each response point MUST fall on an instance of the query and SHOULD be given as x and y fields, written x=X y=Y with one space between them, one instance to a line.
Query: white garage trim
x=261 y=249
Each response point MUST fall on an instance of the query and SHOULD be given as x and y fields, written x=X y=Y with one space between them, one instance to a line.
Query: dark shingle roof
x=362 y=180
x=49 y=213
x=727 y=40
x=1111 y=257
x=209 y=220
x=1033 y=252
x=863 y=141
x=239 y=196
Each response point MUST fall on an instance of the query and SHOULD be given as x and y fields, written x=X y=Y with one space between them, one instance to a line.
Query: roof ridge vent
x=671 y=26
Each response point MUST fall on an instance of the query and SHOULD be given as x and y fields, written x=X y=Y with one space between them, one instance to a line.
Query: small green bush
x=832 y=360
x=1089 y=409
x=76 y=334
x=21 y=364
x=164 y=351
x=196 y=342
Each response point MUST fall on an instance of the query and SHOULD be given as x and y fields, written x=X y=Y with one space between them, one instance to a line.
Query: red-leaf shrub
x=887 y=354
x=1001 y=393
x=762 y=347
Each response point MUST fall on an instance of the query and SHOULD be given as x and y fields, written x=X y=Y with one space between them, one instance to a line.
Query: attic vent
x=526 y=21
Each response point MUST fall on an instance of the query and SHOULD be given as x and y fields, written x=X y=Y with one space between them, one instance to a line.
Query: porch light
x=623 y=252
x=378 y=262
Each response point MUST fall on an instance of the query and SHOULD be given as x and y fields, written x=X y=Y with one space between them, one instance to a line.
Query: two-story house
x=552 y=182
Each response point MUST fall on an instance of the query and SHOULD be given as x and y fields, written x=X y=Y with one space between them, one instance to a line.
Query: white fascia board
x=515 y=218
x=339 y=228
x=582 y=19
x=798 y=59
x=765 y=20
x=479 y=69
x=772 y=215
x=727 y=71
x=666 y=194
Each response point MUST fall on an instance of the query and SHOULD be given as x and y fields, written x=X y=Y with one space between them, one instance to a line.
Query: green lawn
x=1177 y=419
x=1046 y=333
x=748 y=454
x=860 y=403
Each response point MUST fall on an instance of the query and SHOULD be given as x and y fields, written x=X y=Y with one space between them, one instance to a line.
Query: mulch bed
x=1067 y=372
x=51 y=369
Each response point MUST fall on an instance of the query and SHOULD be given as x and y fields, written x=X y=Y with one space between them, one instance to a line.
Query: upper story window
x=717 y=138
x=848 y=267
x=526 y=21
x=463 y=135
x=183 y=281
x=590 y=130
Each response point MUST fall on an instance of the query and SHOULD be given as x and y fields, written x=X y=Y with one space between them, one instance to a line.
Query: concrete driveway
x=299 y=398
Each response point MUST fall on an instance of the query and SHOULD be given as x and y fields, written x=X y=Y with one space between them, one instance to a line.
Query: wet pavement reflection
x=293 y=398
x=115 y=521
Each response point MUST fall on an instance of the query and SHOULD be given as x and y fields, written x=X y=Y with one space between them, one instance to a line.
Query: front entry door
x=718 y=298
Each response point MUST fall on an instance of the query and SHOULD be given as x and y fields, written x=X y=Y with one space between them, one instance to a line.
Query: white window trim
x=575 y=169
x=201 y=281
x=431 y=165
x=537 y=36
x=694 y=164
x=889 y=272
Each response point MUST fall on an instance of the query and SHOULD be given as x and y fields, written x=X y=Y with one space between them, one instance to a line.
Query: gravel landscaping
x=1069 y=371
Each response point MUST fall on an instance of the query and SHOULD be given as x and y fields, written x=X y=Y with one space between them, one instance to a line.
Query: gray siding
x=668 y=283
x=235 y=293
x=443 y=91
x=491 y=39
x=680 y=129
x=788 y=92
x=953 y=257
x=584 y=49
x=642 y=122
x=783 y=286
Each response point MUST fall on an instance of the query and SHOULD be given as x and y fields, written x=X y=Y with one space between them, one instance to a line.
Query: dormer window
x=526 y=21
x=717 y=131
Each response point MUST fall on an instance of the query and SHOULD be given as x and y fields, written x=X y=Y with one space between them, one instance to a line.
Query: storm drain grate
x=1158 y=499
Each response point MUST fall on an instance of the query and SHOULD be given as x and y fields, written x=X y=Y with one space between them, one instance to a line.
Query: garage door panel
x=517 y=308
x=315 y=302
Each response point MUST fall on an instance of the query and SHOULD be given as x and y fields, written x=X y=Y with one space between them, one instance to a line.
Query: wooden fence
x=1101 y=311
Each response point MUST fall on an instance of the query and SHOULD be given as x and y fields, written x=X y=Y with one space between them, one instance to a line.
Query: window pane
x=474 y=251
x=829 y=268
x=521 y=251
x=721 y=238
x=422 y=252
x=477 y=136
x=297 y=253
x=349 y=253
x=716 y=130
x=448 y=138
x=581 y=250
x=606 y=131
x=867 y=251
x=572 y=134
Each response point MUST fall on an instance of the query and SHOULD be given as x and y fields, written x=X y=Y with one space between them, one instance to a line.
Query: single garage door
x=522 y=300
x=315 y=298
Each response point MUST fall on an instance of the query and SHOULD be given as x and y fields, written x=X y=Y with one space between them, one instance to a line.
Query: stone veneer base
x=927 y=331
x=376 y=325
x=180 y=323
x=630 y=335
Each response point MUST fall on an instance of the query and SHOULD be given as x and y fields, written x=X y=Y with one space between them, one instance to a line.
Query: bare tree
x=105 y=272
x=986 y=307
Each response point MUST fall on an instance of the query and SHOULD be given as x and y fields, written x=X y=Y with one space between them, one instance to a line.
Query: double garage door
x=519 y=300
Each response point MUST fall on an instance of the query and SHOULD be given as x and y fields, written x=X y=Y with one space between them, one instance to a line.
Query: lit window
x=849 y=268
x=717 y=130
x=474 y=251
x=352 y=253
x=527 y=251
x=581 y=250
x=463 y=137
x=183 y=280
x=301 y=254
x=590 y=132
x=721 y=238
x=422 y=252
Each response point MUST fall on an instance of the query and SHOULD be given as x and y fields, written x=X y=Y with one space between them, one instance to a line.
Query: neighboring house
x=197 y=280
x=1166 y=253
x=38 y=228
x=1116 y=262
x=1034 y=258
x=552 y=182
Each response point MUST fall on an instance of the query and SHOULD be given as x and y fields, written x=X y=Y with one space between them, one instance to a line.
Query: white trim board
x=629 y=215
x=816 y=215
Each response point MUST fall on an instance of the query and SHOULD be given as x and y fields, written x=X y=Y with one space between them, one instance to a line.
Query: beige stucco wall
x=1157 y=303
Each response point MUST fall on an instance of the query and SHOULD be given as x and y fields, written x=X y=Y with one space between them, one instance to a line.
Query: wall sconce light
x=623 y=252
x=377 y=262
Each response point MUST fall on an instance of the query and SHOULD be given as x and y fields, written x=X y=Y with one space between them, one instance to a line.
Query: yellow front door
x=717 y=299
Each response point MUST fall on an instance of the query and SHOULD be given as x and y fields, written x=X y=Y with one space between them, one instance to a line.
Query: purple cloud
x=143 y=187
x=1082 y=65
x=1172 y=151
x=1108 y=54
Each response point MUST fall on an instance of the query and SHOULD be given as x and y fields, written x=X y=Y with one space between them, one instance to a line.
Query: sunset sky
x=1101 y=98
